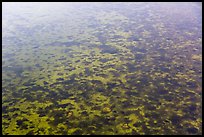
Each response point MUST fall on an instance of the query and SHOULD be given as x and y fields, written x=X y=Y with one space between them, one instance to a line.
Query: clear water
x=101 y=68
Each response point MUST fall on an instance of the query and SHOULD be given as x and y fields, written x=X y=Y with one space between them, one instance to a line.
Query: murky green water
x=102 y=68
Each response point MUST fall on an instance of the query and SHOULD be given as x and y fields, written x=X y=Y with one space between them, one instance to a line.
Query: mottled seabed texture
x=101 y=68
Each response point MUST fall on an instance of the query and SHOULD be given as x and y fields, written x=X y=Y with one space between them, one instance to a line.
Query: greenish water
x=101 y=68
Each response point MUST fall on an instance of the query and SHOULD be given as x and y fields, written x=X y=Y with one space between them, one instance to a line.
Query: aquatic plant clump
x=102 y=69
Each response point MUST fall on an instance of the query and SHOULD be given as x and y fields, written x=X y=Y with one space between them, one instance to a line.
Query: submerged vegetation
x=101 y=68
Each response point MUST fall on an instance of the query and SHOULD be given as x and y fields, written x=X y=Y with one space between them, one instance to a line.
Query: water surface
x=101 y=68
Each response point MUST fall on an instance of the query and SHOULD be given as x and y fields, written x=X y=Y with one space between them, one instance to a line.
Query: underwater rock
x=127 y=104
x=91 y=128
x=162 y=91
x=166 y=121
x=139 y=56
x=67 y=50
x=175 y=119
x=4 y=109
x=151 y=107
x=28 y=84
x=37 y=65
x=62 y=58
x=111 y=85
x=192 y=108
x=110 y=118
x=104 y=60
x=18 y=70
x=84 y=113
x=21 y=121
x=83 y=123
x=78 y=132
x=37 y=88
x=131 y=93
x=67 y=44
x=100 y=89
x=17 y=94
x=133 y=38
x=168 y=98
x=45 y=83
x=63 y=105
x=60 y=79
x=31 y=132
x=192 y=130
x=164 y=69
x=191 y=84
x=108 y=49
x=127 y=119
x=114 y=73
x=137 y=124
x=135 y=49
x=96 y=82
x=131 y=67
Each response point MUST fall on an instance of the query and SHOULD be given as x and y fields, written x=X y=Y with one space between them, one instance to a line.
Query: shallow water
x=101 y=68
